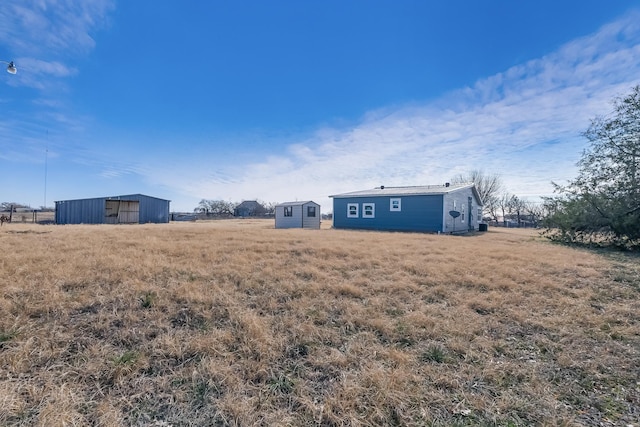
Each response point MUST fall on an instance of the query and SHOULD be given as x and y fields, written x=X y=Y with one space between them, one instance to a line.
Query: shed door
x=122 y=212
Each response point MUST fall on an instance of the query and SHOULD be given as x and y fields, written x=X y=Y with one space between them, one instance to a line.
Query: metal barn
x=448 y=208
x=298 y=215
x=128 y=209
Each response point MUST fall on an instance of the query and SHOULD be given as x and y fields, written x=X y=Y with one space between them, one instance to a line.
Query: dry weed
x=236 y=323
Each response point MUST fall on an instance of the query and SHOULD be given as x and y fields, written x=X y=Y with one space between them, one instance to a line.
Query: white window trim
x=356 y=214
x=364 y=210
x=397 y=208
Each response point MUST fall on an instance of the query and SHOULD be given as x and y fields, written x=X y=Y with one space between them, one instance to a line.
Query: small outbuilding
x=298 y=215
x=128 y=209
x=431 y=208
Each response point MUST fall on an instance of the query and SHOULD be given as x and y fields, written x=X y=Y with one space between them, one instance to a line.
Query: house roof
x=249 y=204
x=418 y=190
x=296 y=203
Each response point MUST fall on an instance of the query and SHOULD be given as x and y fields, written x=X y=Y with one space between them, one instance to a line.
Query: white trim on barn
x=298 y=215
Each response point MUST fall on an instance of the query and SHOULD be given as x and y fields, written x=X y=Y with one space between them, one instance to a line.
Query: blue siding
x=84 y=211
x=418 y=213
x=92 y=211
x=152 y=209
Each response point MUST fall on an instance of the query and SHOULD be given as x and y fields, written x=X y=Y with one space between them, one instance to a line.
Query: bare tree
x=518 y=207
x=270 y=207
x=503 y=205
x=7 y=206
x=215 y=208
x=489 y=187
x=535 y=211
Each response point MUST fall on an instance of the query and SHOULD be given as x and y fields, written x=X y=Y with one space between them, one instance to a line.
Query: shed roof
x=416 y=190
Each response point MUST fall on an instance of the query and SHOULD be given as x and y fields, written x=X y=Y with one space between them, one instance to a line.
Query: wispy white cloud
x=41 y=35
x=523 y=124
x=39 y=27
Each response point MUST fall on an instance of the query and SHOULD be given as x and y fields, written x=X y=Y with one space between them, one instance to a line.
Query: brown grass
x=236 y=323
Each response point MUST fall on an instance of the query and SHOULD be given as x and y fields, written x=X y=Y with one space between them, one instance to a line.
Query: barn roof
x=122 y=197
x=417 y=190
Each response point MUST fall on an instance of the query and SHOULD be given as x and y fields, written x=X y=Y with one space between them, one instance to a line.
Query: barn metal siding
x=82 y=211
x=418 y=213
x=152 y=209
x=299 y=218
x=92 y=211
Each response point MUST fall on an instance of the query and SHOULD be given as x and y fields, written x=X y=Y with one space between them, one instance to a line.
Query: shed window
x=368 y=210
x=395 y=205
x=311 y=211
x=288 y=211
x=352 y=210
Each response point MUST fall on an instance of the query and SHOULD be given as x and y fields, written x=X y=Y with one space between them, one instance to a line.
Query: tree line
x=500 y=206
x=601 y=206
x=14 y=206
x=227 y=208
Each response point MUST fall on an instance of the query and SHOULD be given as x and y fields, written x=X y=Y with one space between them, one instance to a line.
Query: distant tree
x=535 y=211
x=269 y=207
x=215 y=208
x=6 y=206
x=503 y=206
x=489 y=187
x=517 y=207
x=602 y=205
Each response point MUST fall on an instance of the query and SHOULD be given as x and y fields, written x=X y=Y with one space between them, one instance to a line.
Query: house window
x=352 y=210
x=288 y=211
x=462 y=215
x=311 y=211
x=395 y=205
x=368 y=210
x=479 y=214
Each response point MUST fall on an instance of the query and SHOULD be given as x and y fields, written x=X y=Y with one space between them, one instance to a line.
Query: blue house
x=444 y=208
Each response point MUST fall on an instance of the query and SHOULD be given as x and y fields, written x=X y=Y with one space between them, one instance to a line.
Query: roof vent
x=446 y=184
x=382 y=187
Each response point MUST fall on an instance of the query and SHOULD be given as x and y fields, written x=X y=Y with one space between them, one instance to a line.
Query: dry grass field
x=236 y=323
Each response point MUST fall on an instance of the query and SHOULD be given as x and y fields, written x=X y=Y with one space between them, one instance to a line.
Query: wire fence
x=31 y=217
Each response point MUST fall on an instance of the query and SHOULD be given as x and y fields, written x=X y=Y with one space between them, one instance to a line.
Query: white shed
x=298 y=215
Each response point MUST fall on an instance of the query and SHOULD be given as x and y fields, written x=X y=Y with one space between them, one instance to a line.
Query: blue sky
x=298 y=100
